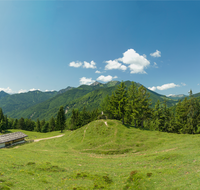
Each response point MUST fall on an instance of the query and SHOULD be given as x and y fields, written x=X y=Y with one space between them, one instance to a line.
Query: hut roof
x=12 y=136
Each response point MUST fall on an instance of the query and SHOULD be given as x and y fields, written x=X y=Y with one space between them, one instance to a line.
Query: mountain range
x=44 y=105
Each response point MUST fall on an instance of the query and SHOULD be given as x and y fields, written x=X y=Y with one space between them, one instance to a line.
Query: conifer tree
x=132 y=112
x=38 y=128
x=60 y=120
x=119 y=101
x=143 y=105
x=52 y=124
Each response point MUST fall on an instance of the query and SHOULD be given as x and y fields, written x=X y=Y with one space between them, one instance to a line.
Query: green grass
x=97 y=156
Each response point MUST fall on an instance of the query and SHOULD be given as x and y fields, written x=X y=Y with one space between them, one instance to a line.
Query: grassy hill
x=100 y=156
x=85 y=95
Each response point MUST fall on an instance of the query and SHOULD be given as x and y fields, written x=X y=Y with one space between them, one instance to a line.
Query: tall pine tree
x=60 y=120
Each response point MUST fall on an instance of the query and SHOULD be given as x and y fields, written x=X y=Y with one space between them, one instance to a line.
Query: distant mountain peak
x=65 y=90
x=95 y=83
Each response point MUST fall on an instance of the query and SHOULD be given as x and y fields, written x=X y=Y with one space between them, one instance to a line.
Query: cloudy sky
x=49 y=45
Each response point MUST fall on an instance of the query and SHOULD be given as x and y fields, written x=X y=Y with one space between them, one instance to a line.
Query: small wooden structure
x=12 y=139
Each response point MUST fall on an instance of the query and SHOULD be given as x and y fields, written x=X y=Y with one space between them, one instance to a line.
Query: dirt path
x=37 y=140
x=84 y=134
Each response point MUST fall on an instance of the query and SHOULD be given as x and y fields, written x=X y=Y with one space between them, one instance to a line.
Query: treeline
x=54 y=124
x=79 y=119
x=133 y=106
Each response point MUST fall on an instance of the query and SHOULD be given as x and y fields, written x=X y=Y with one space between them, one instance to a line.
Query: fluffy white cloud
x=75 y=64
x=183 y=84
x=106 y=78
x=137 y=63
x=114 y=64
x=156 y=54
x=87 y=81
x=153 y=88
x=7 y=90
x=97 y=71
x=167 y=86
x=90 y=65
x=164 y=86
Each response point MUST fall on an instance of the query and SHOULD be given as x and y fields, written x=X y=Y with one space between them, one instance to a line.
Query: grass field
x=100 y=156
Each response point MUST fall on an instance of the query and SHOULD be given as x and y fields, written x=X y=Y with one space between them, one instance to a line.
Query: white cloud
x=114 y=64
x=167 y=86
x=7 y=90
x=123 y=67
x=156 y=54
x=106 y=78
x=164 y=86
x=33 y=89
x=153 y=88
x=22 y=91
x=97 y=71
x=75 y=64
x=90 y=65
x=49 y=90
x=183 y=84
x=137 y=63
x=86 y=81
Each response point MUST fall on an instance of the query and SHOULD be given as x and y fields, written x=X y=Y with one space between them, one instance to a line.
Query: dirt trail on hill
x=37 y=140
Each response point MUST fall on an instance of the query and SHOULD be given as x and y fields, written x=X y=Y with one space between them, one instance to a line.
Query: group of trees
x=129 y=105
x=133 y=106
x=79 y=119
x=29 y=125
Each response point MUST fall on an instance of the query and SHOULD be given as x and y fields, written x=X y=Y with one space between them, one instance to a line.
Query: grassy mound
x=111 y=137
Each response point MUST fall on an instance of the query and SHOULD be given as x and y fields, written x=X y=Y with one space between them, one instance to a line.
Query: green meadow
x=100 y=156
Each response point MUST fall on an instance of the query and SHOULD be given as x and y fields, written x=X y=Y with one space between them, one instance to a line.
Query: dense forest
x=131 y=105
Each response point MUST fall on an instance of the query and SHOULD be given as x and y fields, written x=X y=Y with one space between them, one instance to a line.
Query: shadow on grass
x=5 y=132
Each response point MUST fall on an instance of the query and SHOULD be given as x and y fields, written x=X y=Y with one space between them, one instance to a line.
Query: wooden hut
x=12 y=139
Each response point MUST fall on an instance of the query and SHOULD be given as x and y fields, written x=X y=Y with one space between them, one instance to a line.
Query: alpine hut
x=12 y=139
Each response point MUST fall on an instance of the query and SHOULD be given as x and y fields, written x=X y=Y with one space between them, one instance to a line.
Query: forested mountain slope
x=89 y=96
x=16 y=102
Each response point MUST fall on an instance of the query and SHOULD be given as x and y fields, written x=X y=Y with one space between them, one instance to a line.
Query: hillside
x=89 y=96
x=16 y=102
x=100 y=156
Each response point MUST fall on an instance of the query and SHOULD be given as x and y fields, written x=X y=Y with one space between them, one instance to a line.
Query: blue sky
x=49 y=45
